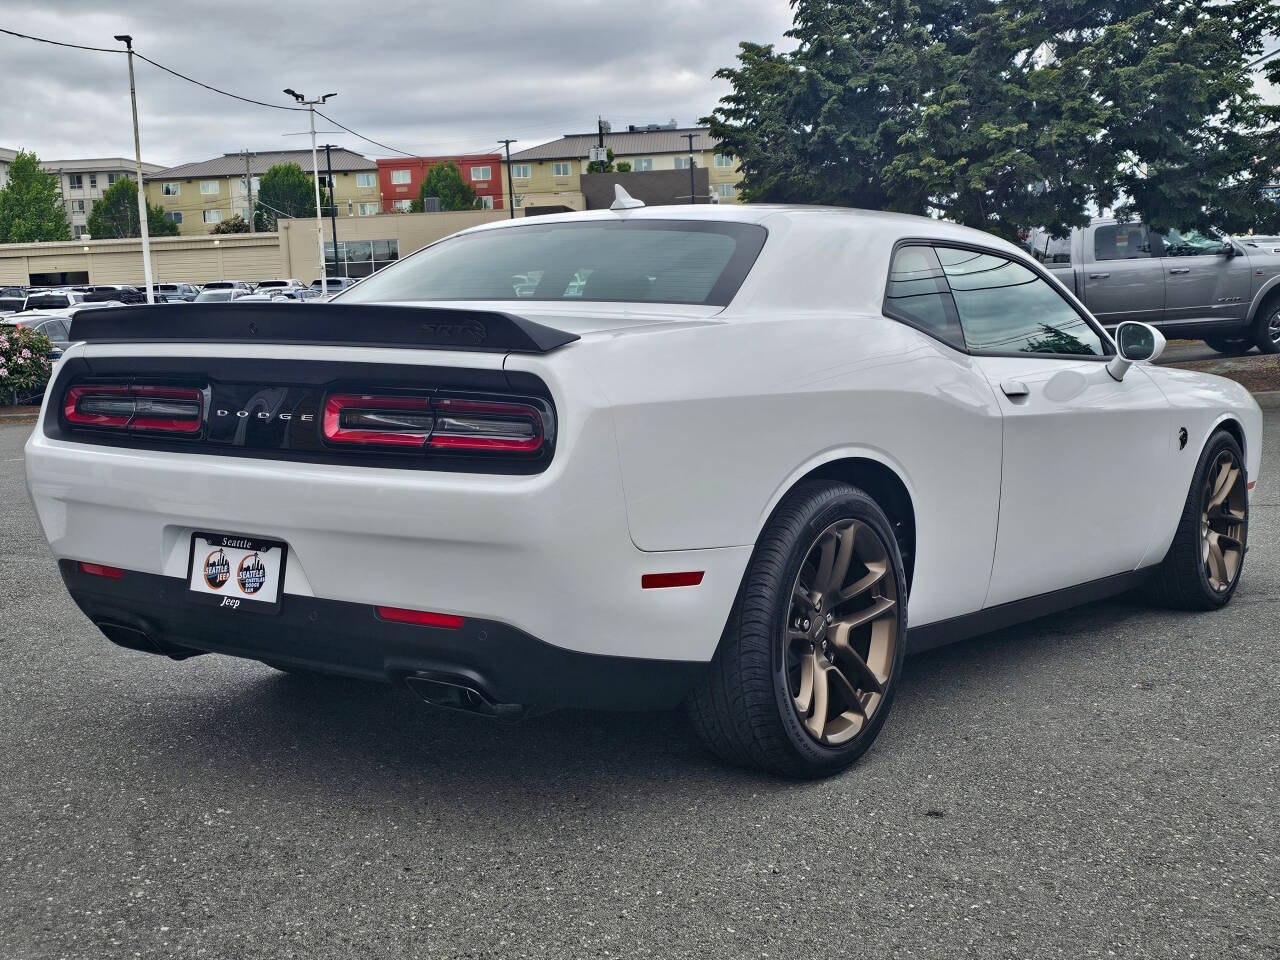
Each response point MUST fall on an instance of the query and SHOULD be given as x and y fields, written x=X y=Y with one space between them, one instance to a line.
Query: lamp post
x=315 y=169
x=127 y=40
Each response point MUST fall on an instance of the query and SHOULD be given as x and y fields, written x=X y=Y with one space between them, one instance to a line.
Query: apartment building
x=82 y=181
x=548 y=174
x=199 y=196
x=401 y=179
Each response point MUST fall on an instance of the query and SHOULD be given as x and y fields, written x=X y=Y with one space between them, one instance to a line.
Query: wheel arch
x=1270 y=291
x=881 y=481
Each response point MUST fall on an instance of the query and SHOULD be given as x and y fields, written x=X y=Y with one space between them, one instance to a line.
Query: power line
x=233 y=96
x=363 y=137
x=59 y=43
x=1264 y=57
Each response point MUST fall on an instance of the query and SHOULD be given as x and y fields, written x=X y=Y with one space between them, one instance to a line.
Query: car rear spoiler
x=364 y=325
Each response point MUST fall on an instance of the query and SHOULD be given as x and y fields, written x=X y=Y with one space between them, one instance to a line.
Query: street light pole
x=315 y=169
x=127 y=40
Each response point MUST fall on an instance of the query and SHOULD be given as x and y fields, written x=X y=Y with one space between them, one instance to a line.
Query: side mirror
x=1134 y=342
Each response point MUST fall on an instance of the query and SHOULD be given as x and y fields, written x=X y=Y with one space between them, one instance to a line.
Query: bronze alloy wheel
x=1222 y=519
x=841 y=632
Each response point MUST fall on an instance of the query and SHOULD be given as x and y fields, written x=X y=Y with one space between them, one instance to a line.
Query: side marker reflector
x=655 y=581
x=1252 y=484
x=101 y=570
x=422 y=618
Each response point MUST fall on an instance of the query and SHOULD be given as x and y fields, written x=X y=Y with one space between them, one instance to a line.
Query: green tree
x=444 y=180
x=1001 y=114
x=603 y=166
x=31 y=204
x=115 y=215
x=286 y=190
x=236 y=224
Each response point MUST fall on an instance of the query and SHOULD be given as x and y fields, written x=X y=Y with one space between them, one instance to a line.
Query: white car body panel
x=680 y=430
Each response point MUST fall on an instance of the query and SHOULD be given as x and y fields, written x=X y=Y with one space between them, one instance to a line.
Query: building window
x=213 y=216
x=399 y=176
x=481 y=173
x=243 y=213
x=726 y=191
x=209 y=188
x=75 y=181
x=561 y=169
x=684 y=163
x=171 y=189
x=112 y=178
x=486 y=203
x=366 y=181
x=401 y=205
x=521 y=171
x=93 y=181
x=359 y=258
x=723 y=160
x=641 y=164
x=368 y=209
x=173 y=216
x=78 y=231
x=77 y=206
x=257 y=185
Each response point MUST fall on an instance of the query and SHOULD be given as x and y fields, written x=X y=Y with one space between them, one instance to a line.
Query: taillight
x=448 y=424
x=135 y=407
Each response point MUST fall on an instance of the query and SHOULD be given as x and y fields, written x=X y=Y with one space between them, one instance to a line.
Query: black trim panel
x=347 y=324
x=154 y=613
x=943 y=632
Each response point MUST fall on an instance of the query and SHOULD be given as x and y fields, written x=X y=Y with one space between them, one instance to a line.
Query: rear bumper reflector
x=654 y=581
x=101 y=570
x=422 y=618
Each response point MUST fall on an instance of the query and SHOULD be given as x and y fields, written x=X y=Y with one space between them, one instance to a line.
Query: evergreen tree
x=1002 y=114
x=286 y=190
x=31 y=204
x=115 y=215
x=444 y=180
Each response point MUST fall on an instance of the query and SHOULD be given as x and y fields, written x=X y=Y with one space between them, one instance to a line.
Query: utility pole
x=692 y=195
x=127 y=40
x=333 y=204
x=599 y=131
x=315 y=169
x=511 y=190
x=248 y=182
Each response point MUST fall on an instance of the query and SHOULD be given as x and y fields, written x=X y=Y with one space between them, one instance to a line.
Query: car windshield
x=638 y=261
x=208 y=296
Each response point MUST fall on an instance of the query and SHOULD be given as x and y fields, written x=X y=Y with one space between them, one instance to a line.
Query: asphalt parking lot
x=1099 y=783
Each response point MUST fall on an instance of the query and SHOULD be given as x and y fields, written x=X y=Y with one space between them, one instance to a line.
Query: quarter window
x=1006 y=308
x=1121 y=241
x=918 y=294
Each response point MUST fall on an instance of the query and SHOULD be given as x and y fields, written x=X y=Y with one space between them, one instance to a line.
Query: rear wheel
x=1202 y=567
x=1266 y=326
x=1225 y=345
x=810 y=658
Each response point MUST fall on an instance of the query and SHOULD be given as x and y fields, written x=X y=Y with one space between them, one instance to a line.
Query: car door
x=1123 y=276
x=1078 y=446
x=1202 y=283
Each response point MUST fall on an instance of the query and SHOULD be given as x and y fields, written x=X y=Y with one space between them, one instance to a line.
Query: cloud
x=426 y=78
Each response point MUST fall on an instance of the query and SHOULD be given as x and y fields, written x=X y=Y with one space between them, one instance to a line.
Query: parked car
x=55 y=299
x=227 y=285
x=11 y=304
x=1221 y=290
x=173 y=292
x=333 y=284
x=725 y=471
x=265 y=285
x=211 y=294
x=55 y=327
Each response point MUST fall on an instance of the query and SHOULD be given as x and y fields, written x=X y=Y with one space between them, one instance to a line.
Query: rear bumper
x=152 y=613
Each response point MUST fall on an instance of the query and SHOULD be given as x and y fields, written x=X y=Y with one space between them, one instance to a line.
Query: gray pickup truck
x=1224 y=291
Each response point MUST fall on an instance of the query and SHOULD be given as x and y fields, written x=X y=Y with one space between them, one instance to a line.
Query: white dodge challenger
x=740 y=458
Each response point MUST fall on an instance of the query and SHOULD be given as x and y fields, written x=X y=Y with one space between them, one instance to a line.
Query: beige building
x=199 y=196
x=548 y=175
x=82 y=182
x=365 y=243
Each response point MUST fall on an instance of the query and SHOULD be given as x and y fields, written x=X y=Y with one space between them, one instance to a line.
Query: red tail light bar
x=135 y=407
x=454 y=424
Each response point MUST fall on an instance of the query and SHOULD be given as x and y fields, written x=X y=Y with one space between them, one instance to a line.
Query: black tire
x=1266 y=326
x=744 y=708
x=1183 y=580
x=1225 y=345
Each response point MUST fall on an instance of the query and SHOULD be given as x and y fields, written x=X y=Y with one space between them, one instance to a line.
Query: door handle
x=1099 y=276
x=1181 y=270
x=1014 y=389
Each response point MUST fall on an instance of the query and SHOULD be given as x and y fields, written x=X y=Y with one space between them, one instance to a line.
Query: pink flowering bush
x=24 y=365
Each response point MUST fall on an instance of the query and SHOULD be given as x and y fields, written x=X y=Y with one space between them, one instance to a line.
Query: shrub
x=24 y=364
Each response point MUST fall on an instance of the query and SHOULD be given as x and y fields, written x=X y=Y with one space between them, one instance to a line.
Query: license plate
x=238 y=573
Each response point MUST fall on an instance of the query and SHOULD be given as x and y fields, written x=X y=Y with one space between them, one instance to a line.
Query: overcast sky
x=426 y=77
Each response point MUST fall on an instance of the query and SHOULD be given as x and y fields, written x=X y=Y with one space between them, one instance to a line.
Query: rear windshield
x=640 y=261
x=11 y=303
x=213 y=295
x=48 y=301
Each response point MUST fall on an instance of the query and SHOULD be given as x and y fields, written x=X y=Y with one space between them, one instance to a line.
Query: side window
x=1006 y=308
x=1189 y=243
x=917 y=294
x=1121 y=241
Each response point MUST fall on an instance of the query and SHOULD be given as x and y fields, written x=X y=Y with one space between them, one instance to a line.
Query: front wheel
x=1266 y=327
x=810 y=659
x=1202 y=568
